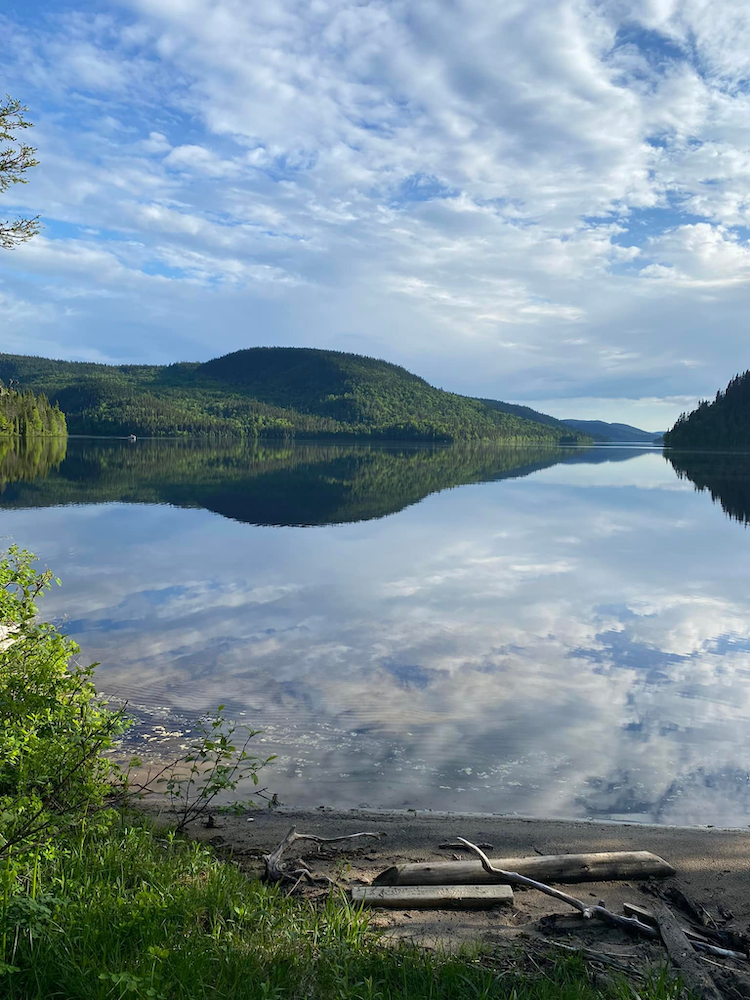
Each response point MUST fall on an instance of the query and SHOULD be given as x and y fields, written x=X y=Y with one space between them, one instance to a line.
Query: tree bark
x=565 y=868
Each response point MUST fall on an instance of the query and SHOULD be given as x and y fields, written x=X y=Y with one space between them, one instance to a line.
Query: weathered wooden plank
x=434 y=897
x=566 y=868
x=682 y=955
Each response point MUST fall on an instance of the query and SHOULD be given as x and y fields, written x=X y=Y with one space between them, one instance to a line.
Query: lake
x=546 y=632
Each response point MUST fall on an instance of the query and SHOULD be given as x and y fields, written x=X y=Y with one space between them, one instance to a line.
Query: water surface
x=551 y=632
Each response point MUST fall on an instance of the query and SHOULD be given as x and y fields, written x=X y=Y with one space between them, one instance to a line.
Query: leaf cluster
x=15 y=159
x=54 y=730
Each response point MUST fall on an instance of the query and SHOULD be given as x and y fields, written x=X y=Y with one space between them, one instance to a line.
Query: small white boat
x=132 y=438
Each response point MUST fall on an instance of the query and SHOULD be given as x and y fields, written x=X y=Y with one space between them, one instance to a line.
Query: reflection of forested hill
x=726 y=477
x=31 y=457
x=282 y=485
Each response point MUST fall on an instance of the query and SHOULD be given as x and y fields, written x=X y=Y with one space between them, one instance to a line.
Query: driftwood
x=599 y=912
x=433 y=897
x=277 y=870
x=723 y=937
x=699 y=939
x=680 y=949
x=566 y=868
x=682 y=955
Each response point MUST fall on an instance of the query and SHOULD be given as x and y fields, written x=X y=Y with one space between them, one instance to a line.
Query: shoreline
x=712 y=863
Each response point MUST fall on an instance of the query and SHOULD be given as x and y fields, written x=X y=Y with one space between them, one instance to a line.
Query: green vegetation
x=96 y=905
x=22 y=414
x=270 y=392
x=270 y=483
x=723 y=423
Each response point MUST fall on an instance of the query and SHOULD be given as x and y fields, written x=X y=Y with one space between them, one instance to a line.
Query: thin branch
x=629 y=924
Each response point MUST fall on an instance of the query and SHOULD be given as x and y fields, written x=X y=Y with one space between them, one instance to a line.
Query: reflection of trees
x=725 y=477
x=267 y=484
x=28 y=458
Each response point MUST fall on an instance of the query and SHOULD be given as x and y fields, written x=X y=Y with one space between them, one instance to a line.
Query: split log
x=276 y=869
x=433 y=897
x=565 y=868
x=682 y=955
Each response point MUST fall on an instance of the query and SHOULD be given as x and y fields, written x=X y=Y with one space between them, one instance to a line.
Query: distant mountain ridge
x=601 y=430
x=723 y=423
x=598 y=430
x=526 y=412
x=280 y=392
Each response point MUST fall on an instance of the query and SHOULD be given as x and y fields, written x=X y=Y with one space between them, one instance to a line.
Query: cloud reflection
x=495 y=648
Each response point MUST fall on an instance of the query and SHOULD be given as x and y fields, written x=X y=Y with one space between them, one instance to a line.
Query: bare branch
x=630 y=924
x=275 y=869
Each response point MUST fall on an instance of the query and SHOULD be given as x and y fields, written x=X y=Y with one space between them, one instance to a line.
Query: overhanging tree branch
x=15 y=159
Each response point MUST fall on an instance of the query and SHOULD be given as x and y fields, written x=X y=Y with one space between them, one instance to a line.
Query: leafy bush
x=54 y=731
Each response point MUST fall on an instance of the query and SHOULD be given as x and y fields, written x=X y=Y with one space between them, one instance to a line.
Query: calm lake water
x=558 y=632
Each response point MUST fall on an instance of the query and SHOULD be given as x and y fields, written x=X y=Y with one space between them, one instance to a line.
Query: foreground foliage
x=95 y=905
x=271 y=392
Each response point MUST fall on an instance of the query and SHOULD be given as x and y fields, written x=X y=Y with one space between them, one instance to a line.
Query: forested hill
x=22 y=414
x=519 y=410
x=269 y=392
x=724 y=423
x=603 y=431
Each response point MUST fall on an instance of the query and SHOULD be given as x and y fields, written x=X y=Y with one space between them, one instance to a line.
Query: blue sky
x=546 y=202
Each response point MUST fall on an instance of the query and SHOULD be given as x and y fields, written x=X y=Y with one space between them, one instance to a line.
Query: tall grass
x=127 y=913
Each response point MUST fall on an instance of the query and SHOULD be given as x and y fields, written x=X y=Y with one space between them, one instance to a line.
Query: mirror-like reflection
x=724 y=475
x=567 y=635
x=266 y=485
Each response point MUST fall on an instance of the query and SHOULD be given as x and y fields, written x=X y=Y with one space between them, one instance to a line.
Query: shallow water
x=560 y=633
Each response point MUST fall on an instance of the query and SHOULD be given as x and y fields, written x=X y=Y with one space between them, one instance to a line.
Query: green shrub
x=54 y=731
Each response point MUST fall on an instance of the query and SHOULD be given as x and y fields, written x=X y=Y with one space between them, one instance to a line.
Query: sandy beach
x=712 y=865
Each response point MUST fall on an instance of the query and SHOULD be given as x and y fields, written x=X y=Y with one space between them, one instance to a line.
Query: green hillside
x=604 y=431
x=22 y=414
x=269 y=392
x=519 y=410
x=724 y=423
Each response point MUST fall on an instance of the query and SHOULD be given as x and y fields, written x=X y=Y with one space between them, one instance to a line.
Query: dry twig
x=276 y=870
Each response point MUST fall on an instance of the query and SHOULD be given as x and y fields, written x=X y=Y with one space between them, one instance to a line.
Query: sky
x=544 y=201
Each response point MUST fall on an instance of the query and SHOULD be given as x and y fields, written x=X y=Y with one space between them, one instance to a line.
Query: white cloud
x=452 y=187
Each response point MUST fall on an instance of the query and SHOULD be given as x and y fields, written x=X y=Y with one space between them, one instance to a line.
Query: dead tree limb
x=629 y=924
x=276 y=869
